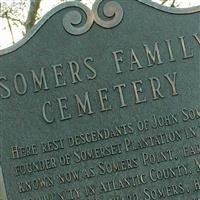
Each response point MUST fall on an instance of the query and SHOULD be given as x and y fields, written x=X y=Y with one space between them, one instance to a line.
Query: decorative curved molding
x=112 y=10
x=72 y=20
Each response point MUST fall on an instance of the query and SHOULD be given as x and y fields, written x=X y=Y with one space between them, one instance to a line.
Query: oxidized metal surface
x=103 y=104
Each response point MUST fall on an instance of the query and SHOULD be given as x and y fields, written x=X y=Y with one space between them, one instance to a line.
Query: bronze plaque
x=103 y=104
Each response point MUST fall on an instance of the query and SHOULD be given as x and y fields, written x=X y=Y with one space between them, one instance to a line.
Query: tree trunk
x=30 y=21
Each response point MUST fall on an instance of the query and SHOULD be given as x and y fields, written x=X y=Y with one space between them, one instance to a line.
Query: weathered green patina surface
x=103 y=104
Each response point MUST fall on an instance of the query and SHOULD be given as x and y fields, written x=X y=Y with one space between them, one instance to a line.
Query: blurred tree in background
x=22 y=14
x=172 y=3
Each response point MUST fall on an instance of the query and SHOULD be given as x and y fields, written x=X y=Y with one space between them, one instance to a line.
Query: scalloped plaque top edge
x=111 y=9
